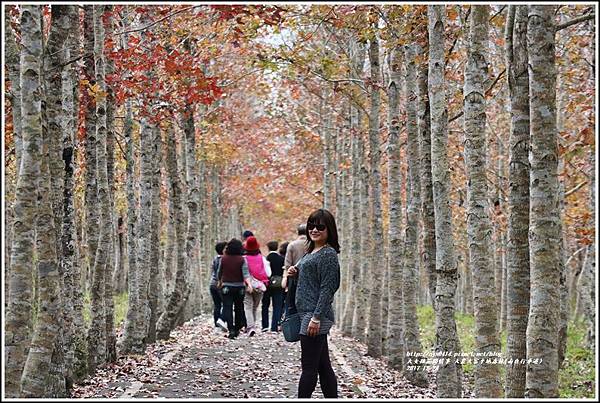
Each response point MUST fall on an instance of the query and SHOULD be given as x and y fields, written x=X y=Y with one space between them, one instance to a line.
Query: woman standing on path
x=318 y=279
x=260 y=271
x=232 y=275
x=215 y=292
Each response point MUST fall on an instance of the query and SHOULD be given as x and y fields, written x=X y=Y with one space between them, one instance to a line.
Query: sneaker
x=251 y=333
x=265 y=329
x=221 y=324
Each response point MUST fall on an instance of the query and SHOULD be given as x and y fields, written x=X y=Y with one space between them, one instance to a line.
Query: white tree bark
x=18 y=324
x=487 y=376
x=449 y=374
x=544 y=234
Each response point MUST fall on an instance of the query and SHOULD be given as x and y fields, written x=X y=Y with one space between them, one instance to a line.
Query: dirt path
x=199 y=363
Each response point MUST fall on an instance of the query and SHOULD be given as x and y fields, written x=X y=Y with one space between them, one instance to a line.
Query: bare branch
x=574 y=21
x=575 y=189
x=157 y=21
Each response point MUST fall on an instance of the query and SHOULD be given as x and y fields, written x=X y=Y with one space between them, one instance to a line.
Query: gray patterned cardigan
x=318 y=280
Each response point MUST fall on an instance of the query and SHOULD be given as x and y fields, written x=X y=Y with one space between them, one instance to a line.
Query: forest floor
x=197 y=362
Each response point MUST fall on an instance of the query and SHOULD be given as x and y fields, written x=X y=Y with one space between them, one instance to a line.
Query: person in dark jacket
x=318 y=274
x=234 y=279
x=215 y=292
x=274 y=291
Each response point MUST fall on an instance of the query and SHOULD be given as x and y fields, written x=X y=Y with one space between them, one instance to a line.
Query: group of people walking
x=296 y=278
x=241 y=279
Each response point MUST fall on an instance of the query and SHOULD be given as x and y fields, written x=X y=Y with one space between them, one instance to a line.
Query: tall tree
x=18 y=315
x=154 y=287
x=410 y=272
x=517 y=251
x=544 y=237
x=148 y=144
x=427 y=213
x=36 y=371
x=106 y=20
x=125 y=344
x=586 y=284
x=89 y=103
x=326 y=129
x=11 y=52
x=54 y=59
x=97 y=333
x=395 y=336
x=69 y=269
x=355 y=51
x=166 y=322
x=487 y=376
x=448 y=374
x=376 y=272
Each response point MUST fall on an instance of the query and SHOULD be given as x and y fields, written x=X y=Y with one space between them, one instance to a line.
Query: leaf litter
x=205 y=364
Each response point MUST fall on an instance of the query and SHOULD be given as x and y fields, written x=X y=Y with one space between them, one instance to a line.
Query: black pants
x=215 y=293
x=233 y=297
x=315 y=362
x=277 y=296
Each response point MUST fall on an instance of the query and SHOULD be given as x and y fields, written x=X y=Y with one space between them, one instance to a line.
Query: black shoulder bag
x=290 y=325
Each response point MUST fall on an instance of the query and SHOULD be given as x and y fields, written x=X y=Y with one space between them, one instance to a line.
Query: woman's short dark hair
x=272 y=245
x=322 y=216
x=234 y=247
x=220 y=246
x=283 y=248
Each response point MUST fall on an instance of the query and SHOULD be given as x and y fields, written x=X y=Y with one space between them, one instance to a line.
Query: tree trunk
x=69 y=267
x=359 y=320
x=328 y=149
x=544 y=237
x=143 y=253
x=91 y=211
x=504 y=285
x=193 y=199
x=154 y=287
x=166 y=322
x=101 y=315
x=125 y=344
x=18 y=315
x=54 y=57
x=410 y=272
x=119 y=278
x=517 y=245
x=395 y=333
x=12 y=57
x=586 y=285
x=487 y=376
x=376 y=272
x=449 y=377
x=37 y=366
x=354 y=219
x=427 y=213
x=12 y=63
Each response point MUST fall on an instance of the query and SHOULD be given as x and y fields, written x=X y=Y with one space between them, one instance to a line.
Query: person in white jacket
x=260 y=271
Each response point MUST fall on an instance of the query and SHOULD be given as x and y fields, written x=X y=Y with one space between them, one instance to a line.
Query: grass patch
x=120 y=308
x=576 y=377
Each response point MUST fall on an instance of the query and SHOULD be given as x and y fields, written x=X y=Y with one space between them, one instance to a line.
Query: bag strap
x=291 y=283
